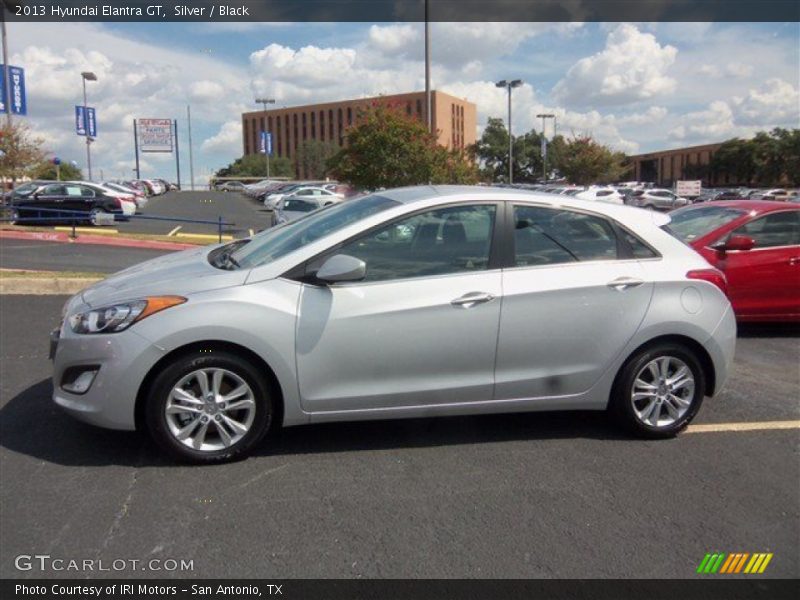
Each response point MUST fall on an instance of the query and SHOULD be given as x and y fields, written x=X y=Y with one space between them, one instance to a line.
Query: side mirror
x=341 y=268
x=736 y=242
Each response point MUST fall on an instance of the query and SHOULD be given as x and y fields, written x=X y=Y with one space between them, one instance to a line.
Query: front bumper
x=123 y=358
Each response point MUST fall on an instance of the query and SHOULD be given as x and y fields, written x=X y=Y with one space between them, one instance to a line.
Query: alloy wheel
x=210 y=409
x=662 y=391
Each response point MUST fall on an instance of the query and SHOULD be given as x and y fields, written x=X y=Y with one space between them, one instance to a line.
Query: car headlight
x=118 y=317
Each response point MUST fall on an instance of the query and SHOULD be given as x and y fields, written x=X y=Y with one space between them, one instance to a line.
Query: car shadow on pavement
x=768 y=330
x=32 y=425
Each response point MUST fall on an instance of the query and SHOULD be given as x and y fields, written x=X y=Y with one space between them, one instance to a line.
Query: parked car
x=70 y=197
x=756 y=243
x=230 y=186
x=406 y=303
x=773 y=194
x=601 y=194
x=139 y=197
x=292 y=208
x=657 y=199
x=301 y=191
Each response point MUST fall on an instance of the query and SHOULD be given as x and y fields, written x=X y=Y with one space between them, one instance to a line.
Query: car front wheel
x=209 y=407
x=659 y=391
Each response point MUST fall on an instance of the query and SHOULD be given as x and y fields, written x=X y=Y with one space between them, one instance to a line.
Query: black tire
x=161 y=389
x=13 y=216
x=621 y=404
x=649 y=207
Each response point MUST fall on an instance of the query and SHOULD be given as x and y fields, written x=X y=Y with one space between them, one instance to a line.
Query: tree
x=492 y=153
x=312 y=158
x=47 y=170
x=254 y=165
x=19 y=150
x=387 y=148
x=766 y=159
x=584 y=161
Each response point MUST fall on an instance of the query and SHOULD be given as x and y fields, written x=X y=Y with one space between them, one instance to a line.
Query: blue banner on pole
x=91 y=122
x=16 y=81
x=80 y=120
x=265 y=143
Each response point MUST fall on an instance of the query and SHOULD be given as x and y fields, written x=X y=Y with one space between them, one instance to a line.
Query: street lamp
x=509 y=85
x=87 y=76
x=264 y=102
x=544 y=116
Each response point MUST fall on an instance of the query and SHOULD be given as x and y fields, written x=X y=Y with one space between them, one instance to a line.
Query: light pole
x=429 y=116
x=87 y=76
x=6 y=80
x=510 y=85
x=264 y=102
x=544 y=116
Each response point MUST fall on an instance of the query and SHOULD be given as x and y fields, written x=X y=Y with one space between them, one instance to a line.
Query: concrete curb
x=63 y=237
x=57 y=286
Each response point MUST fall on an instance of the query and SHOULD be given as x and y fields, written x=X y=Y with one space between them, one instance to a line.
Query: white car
x=272 y=200
x=601 y=195
x=124 y=191
x=658 y=199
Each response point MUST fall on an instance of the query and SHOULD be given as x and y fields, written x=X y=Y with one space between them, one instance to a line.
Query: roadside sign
x=80 y=120
x=688 y=189
x=155 y=135
x=269 y=143
x=91 y=122
x=16 y=79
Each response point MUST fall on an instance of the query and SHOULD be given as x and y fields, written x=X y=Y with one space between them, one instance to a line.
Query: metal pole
x=6 y=80
x=544 y=153
x=219 y=228
x=136 y=149
x=428 y=70
x=510 y=142
x=191 y=159
x=266 y=154
x=88 y=138
x=177 y=155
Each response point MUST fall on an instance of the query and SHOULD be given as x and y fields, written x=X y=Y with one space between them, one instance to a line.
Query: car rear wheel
x=209 y=408
x=94 y=216
x=659 y=391
x=13 y=216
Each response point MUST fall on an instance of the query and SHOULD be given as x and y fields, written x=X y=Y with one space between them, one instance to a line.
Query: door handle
x=623 y=283
x=472 y=299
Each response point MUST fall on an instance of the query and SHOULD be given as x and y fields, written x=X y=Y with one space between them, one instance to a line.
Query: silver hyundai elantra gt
x=412 y=302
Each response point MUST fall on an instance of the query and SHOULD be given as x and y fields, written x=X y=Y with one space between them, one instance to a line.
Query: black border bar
x=734 y=588
x=403 y=10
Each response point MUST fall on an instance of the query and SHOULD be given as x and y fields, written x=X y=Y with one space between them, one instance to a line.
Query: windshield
x=279 y=241
x=692 y=223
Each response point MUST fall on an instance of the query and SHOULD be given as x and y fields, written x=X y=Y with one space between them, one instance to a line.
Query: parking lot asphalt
x=243 y=212
x=517 y=496
x=56 y=256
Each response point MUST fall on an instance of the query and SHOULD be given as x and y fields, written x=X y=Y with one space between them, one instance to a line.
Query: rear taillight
x=714 y=276
x=118 y=202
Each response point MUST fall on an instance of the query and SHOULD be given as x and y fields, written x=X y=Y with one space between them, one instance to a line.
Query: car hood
x=180 y=273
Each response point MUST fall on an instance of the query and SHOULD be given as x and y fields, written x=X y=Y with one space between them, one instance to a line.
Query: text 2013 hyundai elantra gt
x=407 y=303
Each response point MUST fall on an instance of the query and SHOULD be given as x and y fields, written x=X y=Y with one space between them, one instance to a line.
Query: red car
x=756 y=243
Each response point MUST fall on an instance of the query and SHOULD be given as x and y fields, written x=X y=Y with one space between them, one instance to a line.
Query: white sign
x=688 y=189
x=155 y=135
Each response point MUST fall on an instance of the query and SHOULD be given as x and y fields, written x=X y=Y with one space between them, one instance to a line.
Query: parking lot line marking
x=92 y=230
x=174 y=231
x=754 y=426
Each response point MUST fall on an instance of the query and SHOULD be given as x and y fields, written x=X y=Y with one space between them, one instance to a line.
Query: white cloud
x=227 y=140
x=776 y=102
x=632 y=66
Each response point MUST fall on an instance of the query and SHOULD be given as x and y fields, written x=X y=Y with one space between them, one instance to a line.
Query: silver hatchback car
x=413 y=302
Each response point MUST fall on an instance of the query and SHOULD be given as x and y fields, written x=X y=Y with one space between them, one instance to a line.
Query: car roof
x=628 y=214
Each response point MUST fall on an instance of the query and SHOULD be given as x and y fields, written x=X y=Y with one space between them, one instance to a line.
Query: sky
x=637 y=87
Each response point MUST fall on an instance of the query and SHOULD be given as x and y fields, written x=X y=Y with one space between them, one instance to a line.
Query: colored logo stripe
x=720 y=562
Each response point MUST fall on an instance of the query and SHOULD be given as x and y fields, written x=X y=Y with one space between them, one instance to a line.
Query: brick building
x=668 y=166
x=454 y=120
